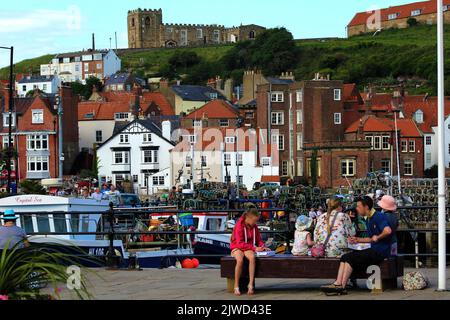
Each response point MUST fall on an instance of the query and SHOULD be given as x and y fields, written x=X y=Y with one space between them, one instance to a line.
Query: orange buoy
x=196 y=263
x=187 y=264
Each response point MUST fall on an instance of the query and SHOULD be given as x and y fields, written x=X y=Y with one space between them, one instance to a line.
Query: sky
x=41 y=27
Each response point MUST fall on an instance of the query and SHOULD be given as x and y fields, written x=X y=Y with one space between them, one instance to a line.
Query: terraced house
x=423 y=12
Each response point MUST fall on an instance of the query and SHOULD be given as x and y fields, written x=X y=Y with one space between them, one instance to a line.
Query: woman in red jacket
x=245 y=241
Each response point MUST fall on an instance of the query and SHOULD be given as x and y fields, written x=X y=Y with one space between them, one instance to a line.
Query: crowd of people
x=360 y=236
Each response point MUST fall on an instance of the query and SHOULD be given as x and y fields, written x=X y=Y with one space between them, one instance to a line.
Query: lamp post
x=10 y=115
x=238 y=184
x=442 y=225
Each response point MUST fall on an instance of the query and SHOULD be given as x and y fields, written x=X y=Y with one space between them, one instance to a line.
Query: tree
x=85 y=90
x=31 y=187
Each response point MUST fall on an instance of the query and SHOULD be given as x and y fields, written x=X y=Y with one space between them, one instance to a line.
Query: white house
x=217 y=154
x=140 y=153
x=48 y=84
x=78 y=66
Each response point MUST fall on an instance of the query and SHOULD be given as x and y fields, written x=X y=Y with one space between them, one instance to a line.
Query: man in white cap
x=10 y=234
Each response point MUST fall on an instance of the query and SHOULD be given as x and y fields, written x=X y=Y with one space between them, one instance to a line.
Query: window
x=428 y=158
x=416 y=12
x=370 y=139
x=188 y=161
x=213 y=95
x=158 y=181
x=199 y=33
x=319 y=167
x=412 y=146
x=266 y=162
x=227 y=159
x=252 y=35
x=5 y=142
x=278 y=139
x=224 y=122
x=386 y=165
x=98 y=136
x=392 y=16
x=216 y=35
x=150 y=156
x=277 y=97
x=6 y=117
x=229 y=140
x=348 y=167
x=213 y=224
x=299 y=142
x=409 y=168
x=299 y=96
x=204 y=161
x=386 y=143
x=404 y=146
x=99 y=66
x=124 y=138
x=278 y=118
x=24 y=88
x=121 y=157
x=86 y=67
x=337 y=94
x=37 y=164
x=239 y=161
x=284 y=168
x=300 y=167
x=121 y=116
x=147 y=21
x=299 y=116
x=197 y=123
x=44 y=87
x=37 y=142
x=337 y=118
x=418 y=116
x=377 y=143
x=449 y=149
x=147 y=138
x=428 y=140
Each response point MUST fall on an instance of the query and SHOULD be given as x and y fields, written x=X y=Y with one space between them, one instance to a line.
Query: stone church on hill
x=147 y=30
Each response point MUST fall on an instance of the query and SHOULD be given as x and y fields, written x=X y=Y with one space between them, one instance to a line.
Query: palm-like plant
x=23 y=271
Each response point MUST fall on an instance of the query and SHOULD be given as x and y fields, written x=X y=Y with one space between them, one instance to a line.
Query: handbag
x=318 y=251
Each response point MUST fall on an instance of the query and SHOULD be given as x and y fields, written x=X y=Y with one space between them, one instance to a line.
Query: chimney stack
x=93 y=42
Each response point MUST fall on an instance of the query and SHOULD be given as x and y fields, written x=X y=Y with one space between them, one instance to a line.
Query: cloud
x=37 y=32
x=36 y=20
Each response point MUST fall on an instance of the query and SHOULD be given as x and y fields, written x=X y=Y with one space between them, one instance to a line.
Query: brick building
x=424 y=12
x=147 y=30
x=214 y=114
x=35 y=134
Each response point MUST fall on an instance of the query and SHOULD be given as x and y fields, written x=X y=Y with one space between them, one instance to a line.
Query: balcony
x=121 y=168
x=150 y=166
x=38 y=175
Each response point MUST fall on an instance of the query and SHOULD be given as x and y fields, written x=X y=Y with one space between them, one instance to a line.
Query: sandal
x=251 y=291
x=237 y=292
x=332 y=286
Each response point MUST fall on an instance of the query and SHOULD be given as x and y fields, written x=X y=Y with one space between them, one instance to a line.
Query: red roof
x=114 y=102
x=402 y=11
x=215 y=109
x=372 y=123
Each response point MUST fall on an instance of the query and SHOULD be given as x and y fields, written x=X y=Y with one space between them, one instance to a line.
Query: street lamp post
x=10 y=115
x=442 y=225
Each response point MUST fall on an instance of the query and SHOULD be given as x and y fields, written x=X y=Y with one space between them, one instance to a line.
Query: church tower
x=145 y=28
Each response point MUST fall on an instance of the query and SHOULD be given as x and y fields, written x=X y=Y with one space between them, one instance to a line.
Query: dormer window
x=416 y=12
x=418 y=116
x=393 y=16
x=213 y=95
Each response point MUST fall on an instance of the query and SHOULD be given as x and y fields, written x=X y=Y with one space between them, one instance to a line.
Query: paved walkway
x=206 y=284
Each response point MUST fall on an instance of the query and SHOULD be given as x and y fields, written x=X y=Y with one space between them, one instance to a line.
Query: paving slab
x=206 y=284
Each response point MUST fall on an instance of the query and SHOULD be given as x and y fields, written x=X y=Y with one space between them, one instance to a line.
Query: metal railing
x=286 y=233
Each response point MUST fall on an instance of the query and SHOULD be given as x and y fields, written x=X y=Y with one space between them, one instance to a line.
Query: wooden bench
x=291 y=267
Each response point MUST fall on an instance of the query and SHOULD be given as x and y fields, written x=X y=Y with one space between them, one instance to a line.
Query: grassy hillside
x=379 y=60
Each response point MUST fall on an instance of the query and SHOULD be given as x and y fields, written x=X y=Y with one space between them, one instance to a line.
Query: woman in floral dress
x=340 y=231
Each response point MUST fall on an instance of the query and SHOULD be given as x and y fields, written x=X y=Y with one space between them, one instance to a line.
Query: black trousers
x=361 y=260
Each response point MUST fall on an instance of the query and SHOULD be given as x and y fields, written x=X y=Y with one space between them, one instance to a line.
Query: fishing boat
x=57 y=221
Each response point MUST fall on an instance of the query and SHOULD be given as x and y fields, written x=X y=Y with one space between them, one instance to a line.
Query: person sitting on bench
x=245 y=241
x=380 y=234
